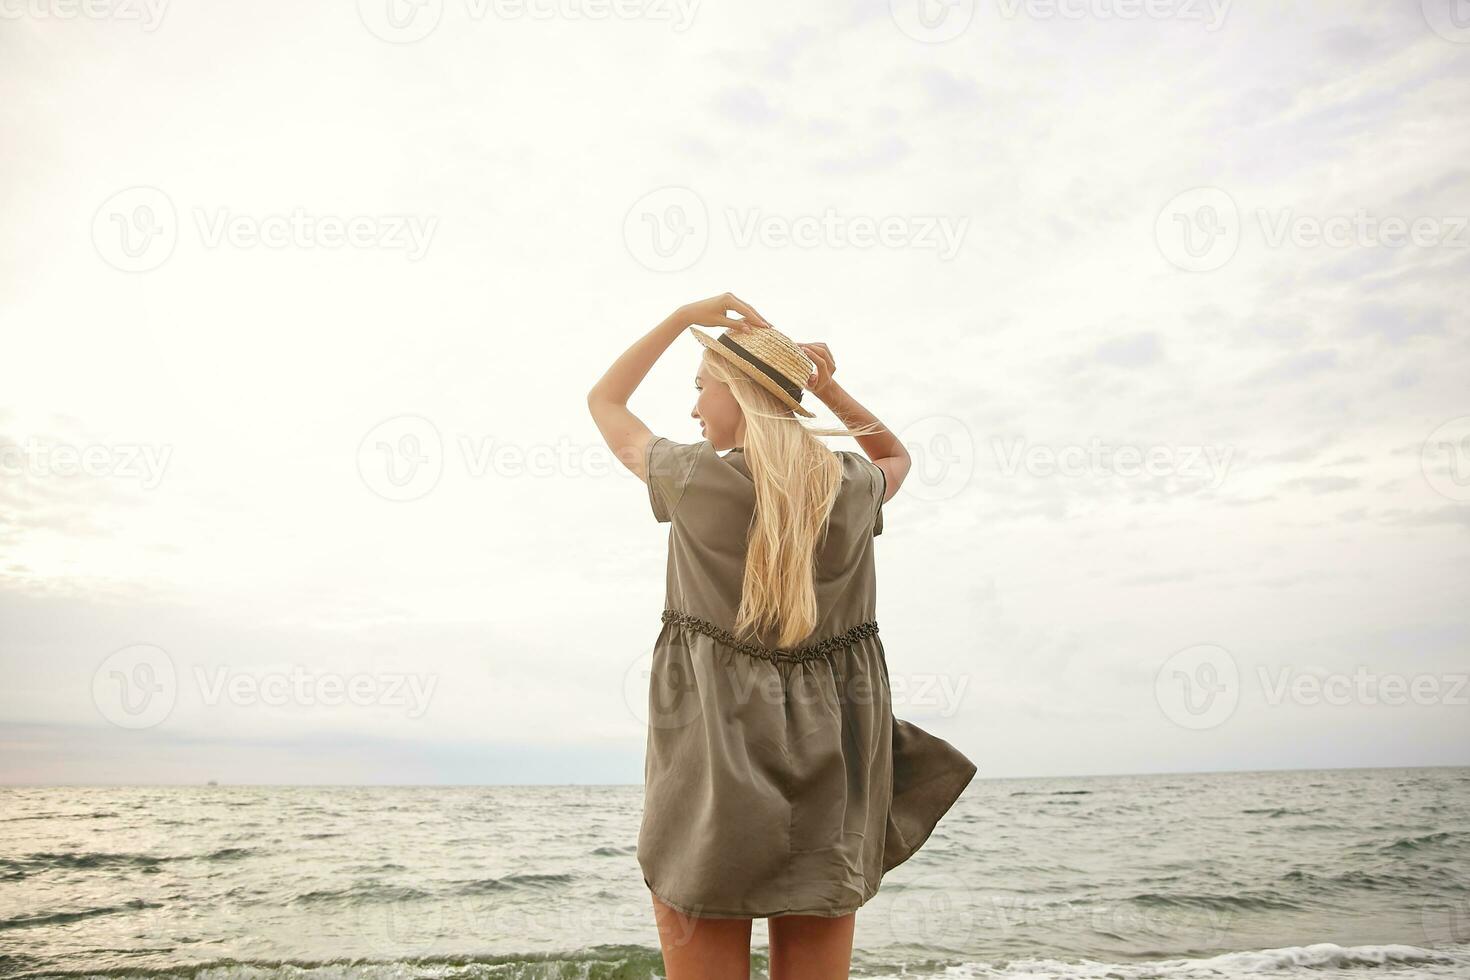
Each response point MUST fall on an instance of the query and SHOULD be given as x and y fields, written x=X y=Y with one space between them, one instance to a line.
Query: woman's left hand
x=711 y=313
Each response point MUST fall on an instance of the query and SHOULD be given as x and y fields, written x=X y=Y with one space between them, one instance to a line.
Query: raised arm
x=624 y=432
x=882 y=446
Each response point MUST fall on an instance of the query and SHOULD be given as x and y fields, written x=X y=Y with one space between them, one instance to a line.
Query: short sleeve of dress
x=670 y=466
x=880 y=489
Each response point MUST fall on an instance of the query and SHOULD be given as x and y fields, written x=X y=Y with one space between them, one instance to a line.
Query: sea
x=1355 y=873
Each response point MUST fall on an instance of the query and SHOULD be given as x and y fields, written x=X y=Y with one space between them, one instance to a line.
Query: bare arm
x=623 y=431
x=882 y=446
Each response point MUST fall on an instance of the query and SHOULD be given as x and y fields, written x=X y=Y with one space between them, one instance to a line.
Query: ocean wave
x=607 y=962
x=1055 y=792
x=12 y=869
x=99 y=815
x=1218 y=902
x=1316 y=960
x=360 y=893
x=515 y=882
x=61 y=918
x=1414 y=879
x=85 y=860
x=626 y=962
x=1423 y=841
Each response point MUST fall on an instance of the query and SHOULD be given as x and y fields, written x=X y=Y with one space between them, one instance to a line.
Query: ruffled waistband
x=801 y=654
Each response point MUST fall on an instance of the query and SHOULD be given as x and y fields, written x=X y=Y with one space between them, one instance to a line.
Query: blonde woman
x=778 y=784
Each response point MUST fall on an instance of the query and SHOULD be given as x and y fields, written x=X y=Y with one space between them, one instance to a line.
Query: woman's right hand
x=826 y=364
x=711 y=313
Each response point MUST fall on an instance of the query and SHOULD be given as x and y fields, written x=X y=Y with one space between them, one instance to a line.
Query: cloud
x=1139 y=350
x=881 y=154
x=948 y=90
x=1294 y=367
x=1445 y=514
x=748 y=106
x=1322 y=484
x=1395 y=324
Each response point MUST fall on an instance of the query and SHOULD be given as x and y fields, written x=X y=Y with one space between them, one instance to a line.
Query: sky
x=300 y=304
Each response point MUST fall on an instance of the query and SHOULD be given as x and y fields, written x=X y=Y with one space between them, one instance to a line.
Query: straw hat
x=768 y=356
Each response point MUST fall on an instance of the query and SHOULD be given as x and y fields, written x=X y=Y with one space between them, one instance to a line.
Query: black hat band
x=794 y=391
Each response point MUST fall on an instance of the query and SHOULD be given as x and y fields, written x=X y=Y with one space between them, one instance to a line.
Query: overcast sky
x=300 y=304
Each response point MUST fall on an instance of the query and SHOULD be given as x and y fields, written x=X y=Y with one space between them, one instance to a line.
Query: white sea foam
x=1319 y=961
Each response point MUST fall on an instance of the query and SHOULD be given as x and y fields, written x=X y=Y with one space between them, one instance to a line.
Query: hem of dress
x=705 y=913
x=961 y=786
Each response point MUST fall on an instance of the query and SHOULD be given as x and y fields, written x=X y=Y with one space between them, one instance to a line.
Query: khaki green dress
x=776 y=782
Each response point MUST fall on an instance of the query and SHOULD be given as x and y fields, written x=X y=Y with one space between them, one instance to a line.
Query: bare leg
x=702 y=949
x=811 y=947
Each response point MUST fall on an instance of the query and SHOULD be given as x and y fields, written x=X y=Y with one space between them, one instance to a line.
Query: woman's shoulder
x=858 y=463
x=868 y=483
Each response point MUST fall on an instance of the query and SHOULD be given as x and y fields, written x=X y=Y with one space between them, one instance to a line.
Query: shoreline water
x=1315 y=873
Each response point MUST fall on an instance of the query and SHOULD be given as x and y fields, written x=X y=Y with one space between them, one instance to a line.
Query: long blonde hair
x=796 y=479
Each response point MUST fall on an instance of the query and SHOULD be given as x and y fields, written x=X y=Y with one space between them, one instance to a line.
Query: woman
x=778 y=784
